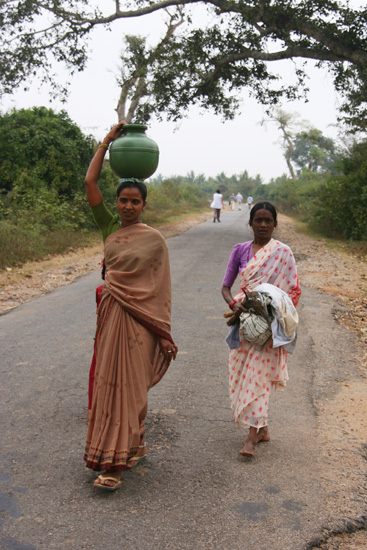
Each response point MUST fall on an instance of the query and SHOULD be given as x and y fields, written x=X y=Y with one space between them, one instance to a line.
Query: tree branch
x=320 y=55
x=335 y=44
x=139 y=93
x=80 y=20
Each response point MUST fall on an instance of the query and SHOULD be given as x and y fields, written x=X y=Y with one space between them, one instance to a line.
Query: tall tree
x=314 y=151
x=287 y=124
x=205 y=65
x=304 y=145
x=138 y=63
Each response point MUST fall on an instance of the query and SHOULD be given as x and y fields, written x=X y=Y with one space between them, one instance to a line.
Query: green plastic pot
x=134 y=155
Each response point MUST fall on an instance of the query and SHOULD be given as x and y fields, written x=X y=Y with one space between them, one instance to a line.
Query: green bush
x=341 y=209
x=334 y=206
x=294 y=197
x=47 y=146
x=167 y=200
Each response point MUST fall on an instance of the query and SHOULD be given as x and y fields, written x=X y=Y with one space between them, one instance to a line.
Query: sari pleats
x=123 y=376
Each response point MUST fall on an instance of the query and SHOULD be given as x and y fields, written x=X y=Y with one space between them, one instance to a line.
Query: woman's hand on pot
x=115 y=132
x=168 y=349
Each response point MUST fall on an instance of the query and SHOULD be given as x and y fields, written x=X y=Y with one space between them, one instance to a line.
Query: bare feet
x=263 y=434
x=109 y=480
x=248 y=448
x=254 y=437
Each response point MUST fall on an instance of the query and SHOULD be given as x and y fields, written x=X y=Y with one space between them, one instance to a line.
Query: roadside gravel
x=343 y=417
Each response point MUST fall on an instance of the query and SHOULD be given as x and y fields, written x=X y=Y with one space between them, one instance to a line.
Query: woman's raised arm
x=94 y=194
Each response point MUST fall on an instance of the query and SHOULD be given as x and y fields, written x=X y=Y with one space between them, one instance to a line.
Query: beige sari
x=135 y=310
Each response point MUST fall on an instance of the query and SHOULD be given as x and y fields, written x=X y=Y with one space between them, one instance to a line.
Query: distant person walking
x=232 y=201
x=250 y=200
x=217 y=205
x=239 y=199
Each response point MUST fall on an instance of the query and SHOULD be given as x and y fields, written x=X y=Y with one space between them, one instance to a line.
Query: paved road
x=194 y=491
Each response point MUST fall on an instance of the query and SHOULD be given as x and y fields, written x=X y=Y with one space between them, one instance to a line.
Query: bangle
x=231 y=304
x=103 y=146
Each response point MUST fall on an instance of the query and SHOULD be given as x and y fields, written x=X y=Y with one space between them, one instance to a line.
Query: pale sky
x=200 y=143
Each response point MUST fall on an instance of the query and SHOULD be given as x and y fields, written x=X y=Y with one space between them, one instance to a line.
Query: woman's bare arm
x=94 y=194
x=227 y=295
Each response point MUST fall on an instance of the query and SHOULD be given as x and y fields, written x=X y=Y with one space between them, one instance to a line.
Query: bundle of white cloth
x=285 y=317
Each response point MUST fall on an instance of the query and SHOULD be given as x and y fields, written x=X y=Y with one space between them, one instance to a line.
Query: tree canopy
x=314 y=151
x=204 y=65
x=46 y=148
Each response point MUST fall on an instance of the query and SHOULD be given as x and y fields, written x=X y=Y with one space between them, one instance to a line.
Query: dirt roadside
x=321 y=266
x=343 y=418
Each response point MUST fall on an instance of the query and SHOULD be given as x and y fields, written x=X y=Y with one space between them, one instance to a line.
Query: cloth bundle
x=271 y=314
x=255 y=324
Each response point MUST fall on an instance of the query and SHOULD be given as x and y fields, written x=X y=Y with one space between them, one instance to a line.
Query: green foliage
x=333 y=205
x=28 y=36
x=19 y=244
x=108 y=183
x=207 y=66
x=354 y=109
x=295 y=197
x=314 y=151
x=43 y=208
x=171 y=198
x=341 y=210
x=39 y=145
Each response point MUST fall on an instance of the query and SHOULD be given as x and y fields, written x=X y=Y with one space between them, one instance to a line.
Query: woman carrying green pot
x=134 y=346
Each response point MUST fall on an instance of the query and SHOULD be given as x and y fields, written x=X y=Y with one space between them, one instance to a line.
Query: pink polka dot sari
x=253 y=374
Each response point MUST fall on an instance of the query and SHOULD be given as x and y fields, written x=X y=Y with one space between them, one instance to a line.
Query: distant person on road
x=250 y=200
x=133 y=343
x=239 y=199
x=232 y=201
x=254 y=373
x=217 y=205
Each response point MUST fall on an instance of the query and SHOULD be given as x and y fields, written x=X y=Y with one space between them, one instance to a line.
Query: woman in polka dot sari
x=254 y=374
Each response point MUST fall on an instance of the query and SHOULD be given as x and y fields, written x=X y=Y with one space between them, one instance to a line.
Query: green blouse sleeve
x=107 y=222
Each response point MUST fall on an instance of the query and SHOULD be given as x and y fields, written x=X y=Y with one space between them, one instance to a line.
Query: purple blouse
x=240 y=255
